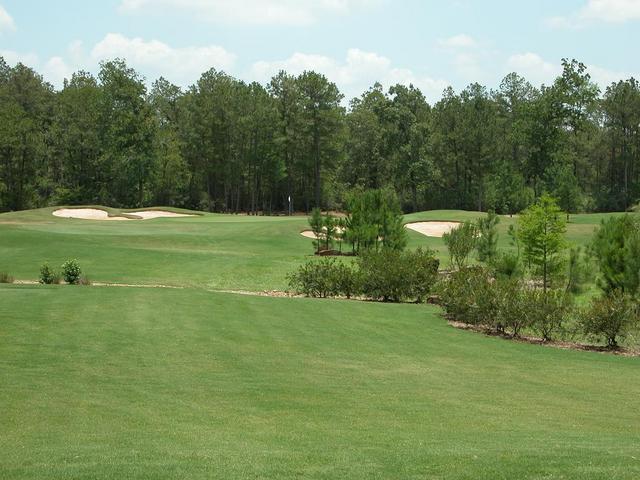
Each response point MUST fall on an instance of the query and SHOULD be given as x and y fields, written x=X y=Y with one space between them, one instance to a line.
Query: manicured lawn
x=113 y=383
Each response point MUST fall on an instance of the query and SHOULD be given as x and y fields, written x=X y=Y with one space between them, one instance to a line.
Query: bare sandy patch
x=150 y=214
x=85 y=214
x=96 y=214
x=312 y=236
x=432 y=229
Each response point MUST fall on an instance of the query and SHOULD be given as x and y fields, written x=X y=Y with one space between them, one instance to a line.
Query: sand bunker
x=432 y=229
x=96 y=214
x=85 y=214
x=312 y=236
x=149 y=214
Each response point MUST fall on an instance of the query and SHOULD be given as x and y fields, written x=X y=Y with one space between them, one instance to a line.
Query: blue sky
x=431 y=44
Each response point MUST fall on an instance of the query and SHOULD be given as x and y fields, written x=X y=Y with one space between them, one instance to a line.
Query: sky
x=428 y=43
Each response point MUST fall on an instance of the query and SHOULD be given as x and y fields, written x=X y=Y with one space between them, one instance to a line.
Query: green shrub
x=346 y=280
x=386 y=275
x=48 y=276
x=422 y=272
x=548 y=312
x=394 y=276
x=507 y=265
x=71 y=272
x=6 y=278
x=487 y=241
x=460 y=242
x=514 y=307
x=609 y=318
x=315 y=278
x=616 y=250
x=469 y=296
x=473 y=296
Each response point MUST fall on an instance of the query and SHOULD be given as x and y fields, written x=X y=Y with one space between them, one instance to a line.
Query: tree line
x=230 y=146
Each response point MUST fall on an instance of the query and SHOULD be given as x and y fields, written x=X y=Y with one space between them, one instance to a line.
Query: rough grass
x=111 y=383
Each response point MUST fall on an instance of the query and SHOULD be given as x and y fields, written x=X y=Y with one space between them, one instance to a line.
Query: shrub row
x=473 y=296
x=387 y=275
x=71 y=273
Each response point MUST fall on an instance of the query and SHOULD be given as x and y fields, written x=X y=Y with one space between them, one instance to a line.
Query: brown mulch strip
x=565 y=345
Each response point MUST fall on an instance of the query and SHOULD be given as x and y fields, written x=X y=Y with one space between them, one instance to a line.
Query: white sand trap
x=85 y=214
x=432 y=229
x=308 y=234
x=149 y=214
x=312 y=236
x=95 y=214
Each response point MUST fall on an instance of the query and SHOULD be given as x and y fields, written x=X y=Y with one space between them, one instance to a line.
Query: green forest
x=224 y=145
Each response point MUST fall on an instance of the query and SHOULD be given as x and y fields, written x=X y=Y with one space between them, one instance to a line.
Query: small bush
x=315 y=278
x=487 y=239
x=382 y=276
x=514 y=307
x=71 y=272
x=6 y=278
x=346 y=280
x=84 y=280
x=460 y=242
x=394 y=276
x=548 y=311
x=609 y=318
x=48 y=276
x=422 y=272
x=469 y=296
x=507 y=265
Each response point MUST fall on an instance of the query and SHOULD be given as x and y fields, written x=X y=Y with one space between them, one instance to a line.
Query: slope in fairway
x=112 y=383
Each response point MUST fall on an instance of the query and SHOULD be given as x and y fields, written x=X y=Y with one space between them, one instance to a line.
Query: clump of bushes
x=386 y=275
x=6 y=278
x=71 y=273
x=506 y=305
x=325 y=278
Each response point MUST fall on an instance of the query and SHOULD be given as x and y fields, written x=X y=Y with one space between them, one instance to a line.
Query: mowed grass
x=212 y=251
x=139 y=383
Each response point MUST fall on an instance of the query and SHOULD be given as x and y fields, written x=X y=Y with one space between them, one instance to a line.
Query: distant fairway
x=214 y=251
x=146 y=383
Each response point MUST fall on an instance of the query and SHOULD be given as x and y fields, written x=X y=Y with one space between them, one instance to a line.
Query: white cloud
x=283 y=12
x=55 y=70
x=468 y=55
x=6 y=21
x=458 y=41
x=534 y=68
x=359 y=71
x=609 y=11
x=180 y=65
x=12 y=57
